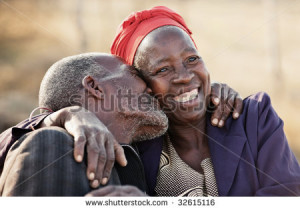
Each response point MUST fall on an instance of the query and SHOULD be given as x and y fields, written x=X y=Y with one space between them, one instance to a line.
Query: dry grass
x=231 y=36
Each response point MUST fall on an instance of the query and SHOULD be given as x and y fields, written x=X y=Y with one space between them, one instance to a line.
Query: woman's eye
x=192 y=59
x=161 y=70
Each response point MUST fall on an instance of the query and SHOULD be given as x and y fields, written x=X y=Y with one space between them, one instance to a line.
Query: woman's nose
x=184 y=76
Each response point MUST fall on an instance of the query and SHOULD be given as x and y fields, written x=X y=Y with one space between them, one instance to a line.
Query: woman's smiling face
x=172 y=67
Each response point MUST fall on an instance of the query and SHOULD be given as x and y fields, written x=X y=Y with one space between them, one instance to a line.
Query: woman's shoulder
x=258 y=104
x=261 y=99
x=258 y=112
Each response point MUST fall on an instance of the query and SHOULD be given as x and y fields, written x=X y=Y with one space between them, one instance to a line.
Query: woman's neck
x=188 y=136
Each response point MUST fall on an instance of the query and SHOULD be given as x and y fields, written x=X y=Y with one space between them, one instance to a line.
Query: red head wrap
x=137 y=25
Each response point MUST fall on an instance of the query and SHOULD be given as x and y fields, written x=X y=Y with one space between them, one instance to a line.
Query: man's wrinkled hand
x=226 y=101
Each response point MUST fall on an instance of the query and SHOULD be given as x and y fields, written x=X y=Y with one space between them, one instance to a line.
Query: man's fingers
x=79 y=144
x=119 y=154
x=227 y=109
x=216 y=116
x=224 y=93
x=238 y=106
x=216 y=93
x=221 y=107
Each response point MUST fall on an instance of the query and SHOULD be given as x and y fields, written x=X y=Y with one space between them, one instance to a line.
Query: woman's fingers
x=93 y=151
x=101 y=147
x=110 y=160
x=119 y=154
x=79 y=145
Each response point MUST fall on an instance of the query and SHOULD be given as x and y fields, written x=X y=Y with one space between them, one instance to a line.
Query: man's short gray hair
x=63 y=80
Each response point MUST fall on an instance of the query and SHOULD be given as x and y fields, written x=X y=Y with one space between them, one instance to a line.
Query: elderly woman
x=248 y=156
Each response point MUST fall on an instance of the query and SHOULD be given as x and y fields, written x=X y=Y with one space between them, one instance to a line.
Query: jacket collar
x=150 y=152
x=225 y=148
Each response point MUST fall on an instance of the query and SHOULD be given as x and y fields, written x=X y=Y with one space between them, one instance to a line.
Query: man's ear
x=92 y=86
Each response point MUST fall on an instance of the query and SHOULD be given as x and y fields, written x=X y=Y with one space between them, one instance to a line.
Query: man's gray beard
x=156 y=122
x=159 y=125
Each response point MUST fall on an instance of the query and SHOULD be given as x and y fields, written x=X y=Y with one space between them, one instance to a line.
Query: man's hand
x=113 y=190
x=226 y=100
x=87 y=130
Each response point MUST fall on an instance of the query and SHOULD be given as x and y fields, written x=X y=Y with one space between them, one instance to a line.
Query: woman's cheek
x=160 y=91
x=158 y=86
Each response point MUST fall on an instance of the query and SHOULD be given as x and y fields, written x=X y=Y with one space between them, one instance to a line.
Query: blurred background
x=252 y=45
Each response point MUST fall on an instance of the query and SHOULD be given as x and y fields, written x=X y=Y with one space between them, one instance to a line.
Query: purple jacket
x=250 y=155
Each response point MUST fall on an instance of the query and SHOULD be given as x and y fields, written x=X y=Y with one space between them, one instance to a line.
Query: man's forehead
x=113 y=66
x=115 y=74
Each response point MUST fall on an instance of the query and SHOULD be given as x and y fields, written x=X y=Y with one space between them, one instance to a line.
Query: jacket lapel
x=149 y=152
x=225 y=146
x=225 y=149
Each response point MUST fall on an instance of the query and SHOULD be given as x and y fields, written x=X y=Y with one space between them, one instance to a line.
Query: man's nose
x=149 y=91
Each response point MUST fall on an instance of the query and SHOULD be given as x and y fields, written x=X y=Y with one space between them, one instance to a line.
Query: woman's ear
x=92 y=86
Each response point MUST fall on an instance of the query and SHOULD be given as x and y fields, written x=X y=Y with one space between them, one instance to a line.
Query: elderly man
x=41 y=162
x=72 y=81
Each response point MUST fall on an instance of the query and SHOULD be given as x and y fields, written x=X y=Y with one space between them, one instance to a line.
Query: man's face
x=126 y=100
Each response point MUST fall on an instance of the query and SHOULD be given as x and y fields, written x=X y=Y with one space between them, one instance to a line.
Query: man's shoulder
x=8 y=137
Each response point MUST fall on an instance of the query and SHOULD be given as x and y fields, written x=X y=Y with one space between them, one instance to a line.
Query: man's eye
x=134 y=72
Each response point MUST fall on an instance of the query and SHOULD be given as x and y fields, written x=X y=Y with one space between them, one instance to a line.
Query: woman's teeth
x=187 y=96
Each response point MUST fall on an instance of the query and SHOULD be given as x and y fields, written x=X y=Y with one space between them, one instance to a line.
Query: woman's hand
x=88 y=131
x=113 y=190
x=226 y=101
